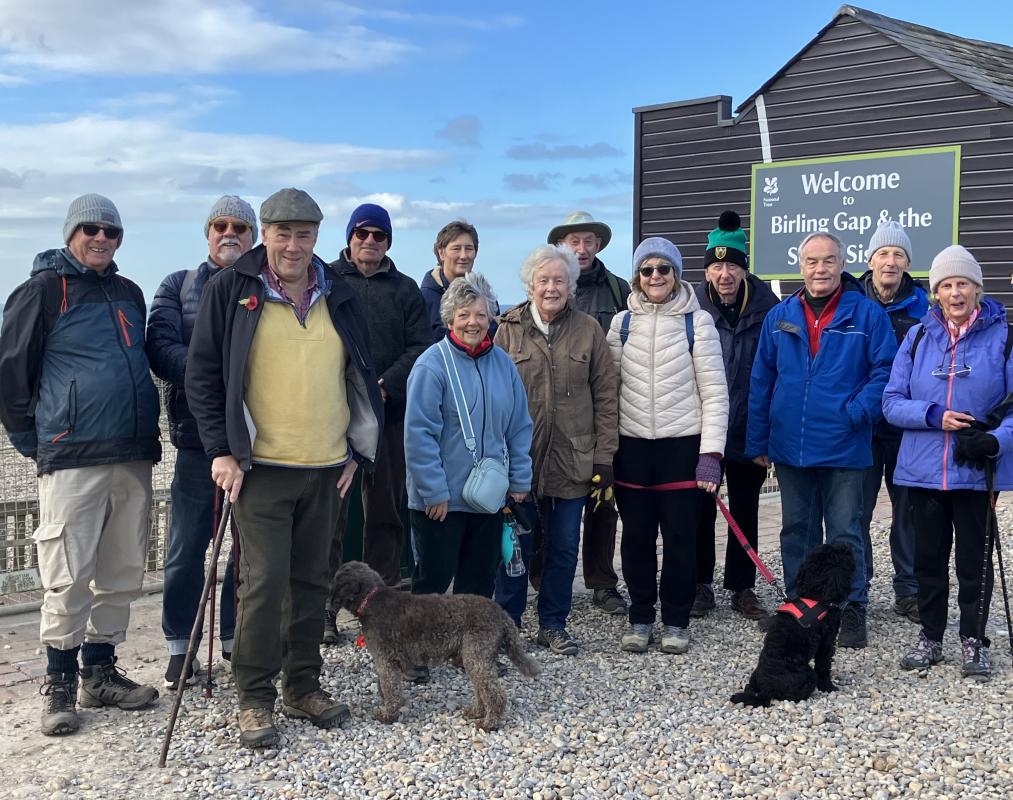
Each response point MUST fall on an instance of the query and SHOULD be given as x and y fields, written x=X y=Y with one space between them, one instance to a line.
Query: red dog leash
x=768 y=576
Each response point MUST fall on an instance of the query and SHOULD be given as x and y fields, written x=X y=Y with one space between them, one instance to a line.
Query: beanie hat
x=369 y=214
x=727 y=242
x=93 y=208
x=657 y=246
x=889 y=234
x=954 y=261
x=231 y=206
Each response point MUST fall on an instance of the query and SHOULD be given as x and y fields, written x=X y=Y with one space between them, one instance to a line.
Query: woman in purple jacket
x=950 y=371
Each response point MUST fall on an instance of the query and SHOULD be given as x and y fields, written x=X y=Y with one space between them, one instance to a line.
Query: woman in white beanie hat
x=951 y=370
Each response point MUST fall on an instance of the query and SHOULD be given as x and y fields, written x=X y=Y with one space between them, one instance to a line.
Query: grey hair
x=464 y=291
x=541 y=256
x=822 y=235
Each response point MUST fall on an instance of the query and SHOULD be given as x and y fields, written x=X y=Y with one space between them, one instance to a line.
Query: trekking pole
x=198 y=625
x=214 y=599
x=987 y=559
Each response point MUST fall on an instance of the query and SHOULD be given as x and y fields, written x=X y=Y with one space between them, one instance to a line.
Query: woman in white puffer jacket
x=673 y=417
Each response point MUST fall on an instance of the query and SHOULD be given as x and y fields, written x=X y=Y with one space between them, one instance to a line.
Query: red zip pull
x=124 y=324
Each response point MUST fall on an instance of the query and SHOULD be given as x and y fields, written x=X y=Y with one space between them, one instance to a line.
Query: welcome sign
x=850 y=196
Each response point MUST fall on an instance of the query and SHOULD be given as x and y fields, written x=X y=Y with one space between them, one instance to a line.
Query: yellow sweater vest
x=295 y=388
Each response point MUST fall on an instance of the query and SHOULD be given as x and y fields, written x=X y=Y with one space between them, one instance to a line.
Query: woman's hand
x=438 y=512
x=518 y=497
x=956 y=420
x=707 y=486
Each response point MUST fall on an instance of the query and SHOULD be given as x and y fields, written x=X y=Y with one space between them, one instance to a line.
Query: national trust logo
x=770 y=191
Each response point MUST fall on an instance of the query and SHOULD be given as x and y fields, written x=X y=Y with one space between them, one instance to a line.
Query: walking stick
x=198 y=625
x=214 y=601
x=992 y=535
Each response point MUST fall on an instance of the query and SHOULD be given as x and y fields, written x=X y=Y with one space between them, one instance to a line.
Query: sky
x=509 y=115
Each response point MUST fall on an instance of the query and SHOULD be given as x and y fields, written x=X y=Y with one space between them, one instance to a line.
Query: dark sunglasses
x=661 y=269
x=221 y=226
x=111 y=231
x=362 y=234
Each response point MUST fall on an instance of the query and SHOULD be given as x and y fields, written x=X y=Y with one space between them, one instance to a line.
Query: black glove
x=974 y=448
x=607 y=478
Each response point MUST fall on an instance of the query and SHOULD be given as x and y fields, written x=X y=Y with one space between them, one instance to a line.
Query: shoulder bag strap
x=456 y=388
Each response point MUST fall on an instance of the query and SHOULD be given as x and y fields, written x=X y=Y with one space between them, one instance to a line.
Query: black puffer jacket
x=738 y=348
x=600 y=296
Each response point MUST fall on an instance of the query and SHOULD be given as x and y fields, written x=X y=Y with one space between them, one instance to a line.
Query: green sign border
x=950 y=148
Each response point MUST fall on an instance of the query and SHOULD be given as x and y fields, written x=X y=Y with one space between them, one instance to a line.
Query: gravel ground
x=603 y=724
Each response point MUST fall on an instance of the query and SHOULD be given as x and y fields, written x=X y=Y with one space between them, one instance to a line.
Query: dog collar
x=365 y=600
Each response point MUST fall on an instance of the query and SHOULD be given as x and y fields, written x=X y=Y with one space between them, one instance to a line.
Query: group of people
x=285 y=374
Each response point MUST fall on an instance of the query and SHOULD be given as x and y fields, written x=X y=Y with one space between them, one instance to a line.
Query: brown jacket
x=573 y=397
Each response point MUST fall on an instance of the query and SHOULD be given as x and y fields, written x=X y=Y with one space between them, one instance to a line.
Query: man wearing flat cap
x=230 y=230
x=76 y=396
x=602 y=294
x=279 y=379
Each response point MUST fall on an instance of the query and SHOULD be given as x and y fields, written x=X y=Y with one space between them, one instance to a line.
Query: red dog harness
x=806 y=612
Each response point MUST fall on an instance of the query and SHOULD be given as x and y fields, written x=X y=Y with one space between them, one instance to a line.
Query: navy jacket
x=75 y=387
x=820 y=412
x=432 y=289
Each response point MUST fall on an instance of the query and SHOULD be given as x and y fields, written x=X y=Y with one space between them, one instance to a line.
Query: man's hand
x=383 y=392
x=227 y=475
x=438 y=512
x=347 y=474
x=762 y=461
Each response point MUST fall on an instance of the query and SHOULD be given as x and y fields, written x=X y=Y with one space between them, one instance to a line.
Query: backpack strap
x=1008 y=347
x=624 y=328
x=921 y=335
x=689 y=330
x=617 y=292
x=187 y=285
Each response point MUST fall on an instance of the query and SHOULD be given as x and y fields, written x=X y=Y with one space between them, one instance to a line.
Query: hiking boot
x=175 y=669
x=907 y=606
x=108 y=685
x=331 y=635
x=977 y=663
x=609 y=601
x=636 y=638
x=853 y=634
x=256 y=727
x=674 y=640
x=557 y=640
x=923 y=655
x=59 y=715
x=319 y=708
x=704 y=600
x=748 y=604
x=417 y=674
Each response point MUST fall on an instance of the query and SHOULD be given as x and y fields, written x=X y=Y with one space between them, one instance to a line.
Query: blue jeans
x=190 y=534
x=512 y=592
x=902 y=530
x=811 y=496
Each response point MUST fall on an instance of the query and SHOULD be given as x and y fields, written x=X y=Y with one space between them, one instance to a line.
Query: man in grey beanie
x=77 y=397
x=905 y=302
x=230 y=230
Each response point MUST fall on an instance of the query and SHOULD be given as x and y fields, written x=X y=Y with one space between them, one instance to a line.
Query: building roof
x=984 y=66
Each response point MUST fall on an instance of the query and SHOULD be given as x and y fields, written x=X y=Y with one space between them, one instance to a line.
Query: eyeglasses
x=362 y=234
x=111 y=231
x=661 y=269
x=951 y=371
x=221 y=225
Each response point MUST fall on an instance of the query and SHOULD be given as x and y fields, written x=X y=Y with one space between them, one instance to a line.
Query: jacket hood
x=759 y=297
x=430 y=281
x=906 y=294
x=684 y=302
x=65 y=264
x=990 y=312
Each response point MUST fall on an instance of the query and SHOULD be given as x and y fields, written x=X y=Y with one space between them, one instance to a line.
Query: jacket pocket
x=54 y=559
x=69 y=414
x=578 y=372
x=583 y=457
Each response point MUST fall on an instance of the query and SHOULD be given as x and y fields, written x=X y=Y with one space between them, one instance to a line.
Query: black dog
x=803 y=629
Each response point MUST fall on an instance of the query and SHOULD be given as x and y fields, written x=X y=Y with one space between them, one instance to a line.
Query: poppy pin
x=250 y=302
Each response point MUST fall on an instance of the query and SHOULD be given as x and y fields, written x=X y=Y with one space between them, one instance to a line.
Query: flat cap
x=290 y=205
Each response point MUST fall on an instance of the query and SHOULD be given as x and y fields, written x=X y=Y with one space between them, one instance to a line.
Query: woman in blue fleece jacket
x=453 y=541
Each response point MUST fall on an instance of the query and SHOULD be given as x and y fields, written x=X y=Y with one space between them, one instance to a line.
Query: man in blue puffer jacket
x=77 y=397
x=231 y=230
x=815 y=394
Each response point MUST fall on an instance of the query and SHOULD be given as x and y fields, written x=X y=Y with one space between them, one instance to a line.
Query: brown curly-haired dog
x=404 y=630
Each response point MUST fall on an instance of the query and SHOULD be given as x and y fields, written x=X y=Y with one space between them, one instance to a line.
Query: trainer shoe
x=853 y=633
x=704 y=600
x=175 y=669
x=59 y=714
x=674 y=640
x=331 y=635
x=256 y=727
x=108 y=685
x=907 y=606
x=923 y=655
x=319 y=708
x=609 y=601
x=977 y=663
x=637 y=637
x=748 y=604
x=557 y=640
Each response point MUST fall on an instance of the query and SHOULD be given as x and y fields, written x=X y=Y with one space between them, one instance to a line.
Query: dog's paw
x=826 y=686
x=381 y=714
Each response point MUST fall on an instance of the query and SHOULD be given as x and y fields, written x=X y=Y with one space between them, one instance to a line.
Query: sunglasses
x=661 y=269
x=111 y=231
x=362 y=234
x=221 y=226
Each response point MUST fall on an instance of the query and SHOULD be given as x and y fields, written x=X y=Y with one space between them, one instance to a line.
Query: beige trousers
x=92 y=543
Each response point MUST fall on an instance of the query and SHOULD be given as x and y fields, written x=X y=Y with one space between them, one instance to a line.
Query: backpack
x=617 y=293
x=624 y=329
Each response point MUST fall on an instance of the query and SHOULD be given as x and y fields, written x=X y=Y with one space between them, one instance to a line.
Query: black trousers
x=940 y=519
x=598 y=547
x=744 y=483
x=647 y=462
x=464 y=549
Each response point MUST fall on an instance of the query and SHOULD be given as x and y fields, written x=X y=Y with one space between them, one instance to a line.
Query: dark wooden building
x=865 y=83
